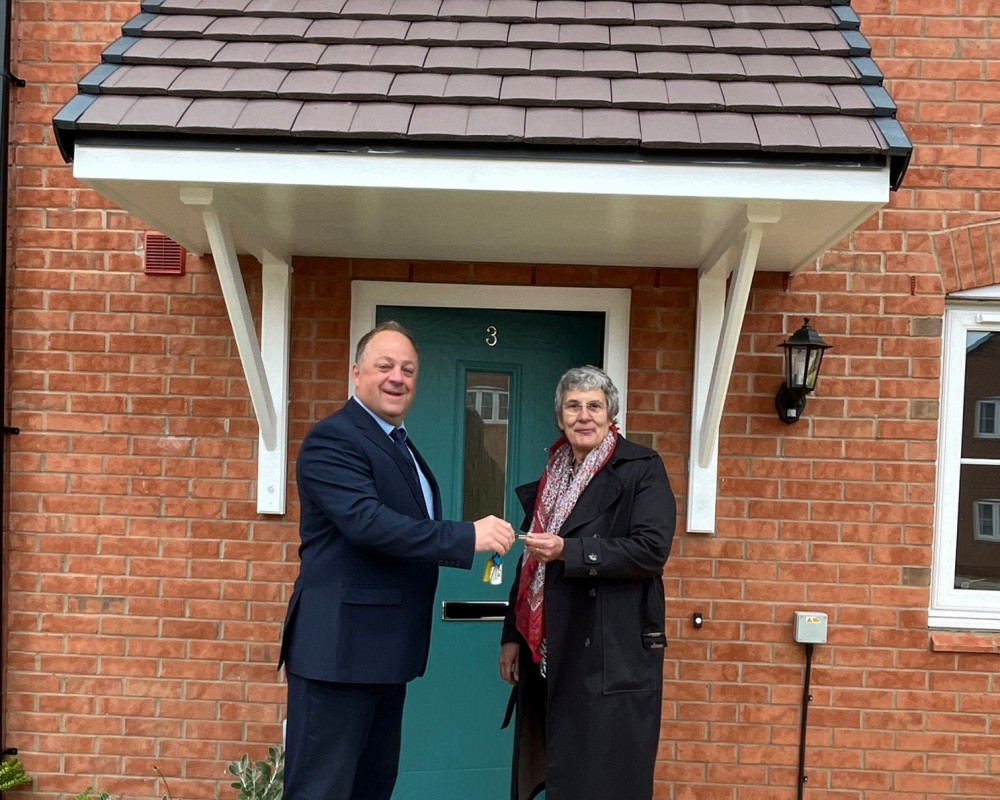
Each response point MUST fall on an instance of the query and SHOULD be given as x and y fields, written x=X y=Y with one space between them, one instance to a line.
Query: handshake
x=494 y=535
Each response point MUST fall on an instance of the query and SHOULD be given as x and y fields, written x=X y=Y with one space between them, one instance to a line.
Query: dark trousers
x=342 y=739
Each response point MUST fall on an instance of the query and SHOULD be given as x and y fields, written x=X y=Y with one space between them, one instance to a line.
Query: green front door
x=483 y=418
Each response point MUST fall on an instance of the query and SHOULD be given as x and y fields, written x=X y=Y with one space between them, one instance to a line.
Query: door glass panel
x=487 y=395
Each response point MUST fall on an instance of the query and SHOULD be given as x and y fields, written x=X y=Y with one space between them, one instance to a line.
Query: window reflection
x=977 y=550
x=487 y=399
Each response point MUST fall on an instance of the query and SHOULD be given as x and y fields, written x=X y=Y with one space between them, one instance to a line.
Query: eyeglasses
x=574 y=408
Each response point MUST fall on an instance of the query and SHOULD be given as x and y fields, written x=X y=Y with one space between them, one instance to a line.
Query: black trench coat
x=599 y=707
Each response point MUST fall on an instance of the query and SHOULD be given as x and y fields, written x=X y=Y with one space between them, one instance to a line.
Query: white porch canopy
x=727 y=220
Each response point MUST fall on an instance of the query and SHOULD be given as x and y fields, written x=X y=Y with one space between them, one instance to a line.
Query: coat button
x=597 y=536
x=586 y=642
x=592 y=557
x=593 y=593
x=592 y=573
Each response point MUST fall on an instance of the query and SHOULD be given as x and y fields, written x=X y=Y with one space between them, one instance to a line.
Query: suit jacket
x=361 y=608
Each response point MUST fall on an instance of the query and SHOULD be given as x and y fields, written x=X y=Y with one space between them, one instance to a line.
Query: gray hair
x=585 y=379
x=390 y=325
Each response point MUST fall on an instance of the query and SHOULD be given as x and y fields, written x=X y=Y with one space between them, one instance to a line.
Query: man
x=359 y=619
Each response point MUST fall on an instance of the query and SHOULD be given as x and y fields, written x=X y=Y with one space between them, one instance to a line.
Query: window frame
x=967 y=609
x=995 y=433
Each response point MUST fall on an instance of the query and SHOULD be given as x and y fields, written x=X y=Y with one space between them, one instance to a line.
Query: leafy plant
x=12 y=774
x=261 y=780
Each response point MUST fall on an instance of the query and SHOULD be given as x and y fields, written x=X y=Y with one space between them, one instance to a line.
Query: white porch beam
x=716 y=341
x=275 y=338
x=269 y=401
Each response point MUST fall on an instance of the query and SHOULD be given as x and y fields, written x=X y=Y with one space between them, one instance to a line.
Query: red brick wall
x=145 y=594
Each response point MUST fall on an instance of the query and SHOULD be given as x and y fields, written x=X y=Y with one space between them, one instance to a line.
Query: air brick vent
x=163 y=256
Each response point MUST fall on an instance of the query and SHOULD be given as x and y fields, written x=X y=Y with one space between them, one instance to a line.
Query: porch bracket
x=719 y=322
x=265 y=362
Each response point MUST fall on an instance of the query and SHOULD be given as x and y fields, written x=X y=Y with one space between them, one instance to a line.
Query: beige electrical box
x=810 y=627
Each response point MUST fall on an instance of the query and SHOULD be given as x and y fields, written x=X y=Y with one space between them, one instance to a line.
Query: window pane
x=977 y=547
x=485 y=470
x=982 y=388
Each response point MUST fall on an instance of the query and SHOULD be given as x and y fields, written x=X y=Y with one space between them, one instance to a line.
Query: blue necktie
x=399 y=437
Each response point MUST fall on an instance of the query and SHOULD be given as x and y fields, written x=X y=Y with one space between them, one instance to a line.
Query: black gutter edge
x=64 y=123
x=900 y=149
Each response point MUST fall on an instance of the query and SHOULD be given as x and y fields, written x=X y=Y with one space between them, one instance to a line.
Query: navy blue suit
x=359 y=618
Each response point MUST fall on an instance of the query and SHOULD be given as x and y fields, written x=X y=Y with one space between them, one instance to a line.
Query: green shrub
x=12 y=774
x=263 y=780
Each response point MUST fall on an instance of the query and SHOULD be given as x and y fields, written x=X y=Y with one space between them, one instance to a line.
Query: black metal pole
x=806 y=697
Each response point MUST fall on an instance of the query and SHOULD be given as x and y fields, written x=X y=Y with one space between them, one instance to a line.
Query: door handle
x=473 y=610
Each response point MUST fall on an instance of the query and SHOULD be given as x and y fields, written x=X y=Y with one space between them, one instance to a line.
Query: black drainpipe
x=8 y=80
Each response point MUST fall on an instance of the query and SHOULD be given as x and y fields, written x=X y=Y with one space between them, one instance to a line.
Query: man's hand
x=493 y=535
x=509 y=663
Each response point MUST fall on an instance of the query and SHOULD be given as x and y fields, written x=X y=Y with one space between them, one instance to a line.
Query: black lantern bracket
x=803 y=357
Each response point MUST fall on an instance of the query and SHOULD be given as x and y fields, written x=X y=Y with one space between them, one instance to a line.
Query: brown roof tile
x=669 y=129
x=268 y=116
x=496 y=123
x=757 y=75
x=317 y=119
x=437 y=121
x=616 y=126
x=553 y=125
x=257 y=82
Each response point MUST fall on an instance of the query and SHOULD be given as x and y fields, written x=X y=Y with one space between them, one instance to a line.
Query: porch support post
x=269 y=401
x=716 y=341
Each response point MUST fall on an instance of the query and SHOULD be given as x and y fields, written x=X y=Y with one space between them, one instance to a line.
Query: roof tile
x=364 y=85
x=808 y=16
x=617 y=126
x=786 y=132
x=233 y=27
x=400 y=57
x=724 y=130
x=505 y=60
x=807 y=97
x=283 y=28
x=838 y=132
x=524 y=89
x=266 y=6
x=511 y=10
x=553 y=125
x=690 y=39
x=257 y=82
x=347 y=56
x=451 y=59
x=434 y=32
x=324 y=118
x=464 y=9
x=639 y=92
x=613 y=12
x=473 y=88
x=738 y=40
x=695 y=94
x=383 y=31
x=382 y=119
x=560 y=10
x=583 y=92
x=553 y=61
x=416 y=9
x=107 y=110
x=333 y=30
x=750 y=96
x=242 y=54
x=718 y=66
x=585 y=35
x=418 y=86
x=789 y=41
x=482 y=33
x=658 y=13
x=366 y=8
x=315 y=8
x=150 y=77
x=767 y=67
x=177 y=25
x=198 y=81
x=268 y=116
x=192 y=51
x=611 y=63
x=634 y=37
x=826 y=68
x=708 y=13
x=309 y=83
x=663 y=64
x=669 y=129
x=496 y=123
x=852 y=99
x=147 y=48
x=208 y=115
x=156 y=113
x=757 y=16
x=295 y=54
x=533 y=34
x=437 y=121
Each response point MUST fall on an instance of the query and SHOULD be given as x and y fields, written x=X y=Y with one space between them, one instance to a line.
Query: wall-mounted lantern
x=803 y=356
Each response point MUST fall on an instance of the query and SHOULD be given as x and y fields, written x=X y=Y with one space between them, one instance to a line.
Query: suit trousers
x=342 y=739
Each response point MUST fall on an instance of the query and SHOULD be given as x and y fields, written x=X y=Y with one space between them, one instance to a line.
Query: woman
x=583 y=639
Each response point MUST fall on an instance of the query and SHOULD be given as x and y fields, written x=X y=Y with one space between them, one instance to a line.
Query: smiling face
x=385 y=378
x=583 y=417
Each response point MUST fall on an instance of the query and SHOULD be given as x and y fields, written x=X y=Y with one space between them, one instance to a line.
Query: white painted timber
x=275 y=337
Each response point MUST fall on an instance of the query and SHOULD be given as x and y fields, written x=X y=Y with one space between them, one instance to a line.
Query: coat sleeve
x=510 y=632
x=640 y=550
x=336 y=473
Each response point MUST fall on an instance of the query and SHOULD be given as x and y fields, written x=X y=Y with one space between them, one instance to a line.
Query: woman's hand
x=509 y=653
x=544 y=547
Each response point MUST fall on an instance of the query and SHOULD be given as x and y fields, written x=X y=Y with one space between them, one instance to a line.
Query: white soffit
x=464 y=208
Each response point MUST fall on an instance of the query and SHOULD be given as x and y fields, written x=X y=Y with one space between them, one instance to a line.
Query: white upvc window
x=965 y=578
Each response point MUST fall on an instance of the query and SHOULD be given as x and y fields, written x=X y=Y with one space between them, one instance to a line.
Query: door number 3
x=491 y=335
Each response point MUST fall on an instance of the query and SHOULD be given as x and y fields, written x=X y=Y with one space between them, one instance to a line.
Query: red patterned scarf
x=558 y=491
